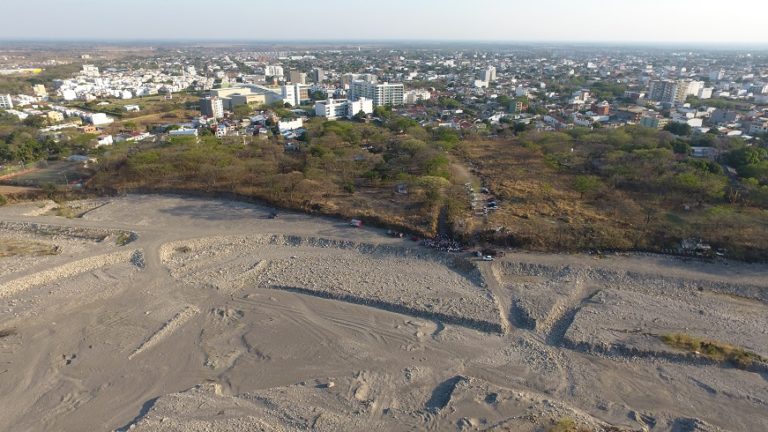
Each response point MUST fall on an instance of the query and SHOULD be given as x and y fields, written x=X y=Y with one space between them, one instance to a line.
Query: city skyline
x=590 y=21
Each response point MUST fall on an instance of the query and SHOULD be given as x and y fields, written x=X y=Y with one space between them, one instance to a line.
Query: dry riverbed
x=165 y=313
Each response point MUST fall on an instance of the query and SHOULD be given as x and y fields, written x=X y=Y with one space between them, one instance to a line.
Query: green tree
x=681 y=147
x=360 y=116
x=680 y=129
x=35 y=121
x=586 y=183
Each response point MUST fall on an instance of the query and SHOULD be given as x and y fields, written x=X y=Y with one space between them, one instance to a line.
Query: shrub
x=567 y=424
x=124 y=238
x=713 y=350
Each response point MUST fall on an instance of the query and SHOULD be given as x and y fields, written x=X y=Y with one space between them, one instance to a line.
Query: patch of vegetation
x=124 y=238
x=713 y=350
x=183 y=249
x=3 y=200
x=66 y=211
x=340 y=168
x=567 y=424
x=11 y=248
x=20 y=143
x=620 y=189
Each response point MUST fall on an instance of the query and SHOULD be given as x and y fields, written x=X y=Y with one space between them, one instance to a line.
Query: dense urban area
x=383 y=236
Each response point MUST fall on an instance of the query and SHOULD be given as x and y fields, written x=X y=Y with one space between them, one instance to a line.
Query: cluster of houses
x=91 y=83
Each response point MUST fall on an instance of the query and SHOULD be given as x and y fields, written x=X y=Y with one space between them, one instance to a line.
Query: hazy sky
x=492 y=20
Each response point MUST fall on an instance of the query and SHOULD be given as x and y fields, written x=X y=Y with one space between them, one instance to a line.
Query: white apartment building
x=382 y=94
x=272 y=71
x=488 y=75
x=415 y=96
x=212 y=106
x=694 y=87
x=98 y=119
x=363 y=104
x=333 y=109
x=6 y=102
x=290 y=125
x=291 y=93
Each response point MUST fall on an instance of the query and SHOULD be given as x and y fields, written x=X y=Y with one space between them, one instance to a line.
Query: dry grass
x=541 y=209
x=11 y=248
x=141 y=122
x=713 y=350
x=66 y=211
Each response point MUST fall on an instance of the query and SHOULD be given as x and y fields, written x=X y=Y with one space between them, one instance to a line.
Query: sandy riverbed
x=217 y=318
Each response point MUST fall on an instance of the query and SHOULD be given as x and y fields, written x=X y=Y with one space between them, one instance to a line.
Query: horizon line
x=315 y=41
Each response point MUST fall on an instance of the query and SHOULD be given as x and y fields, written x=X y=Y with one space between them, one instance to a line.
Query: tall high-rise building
x=6 y=102
x=318 y=75
x=381 y=94
x=294 y=94
x=297 y=77
x=212 y=106
x=489 y=74
x=692 y=88
x=667 y=91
